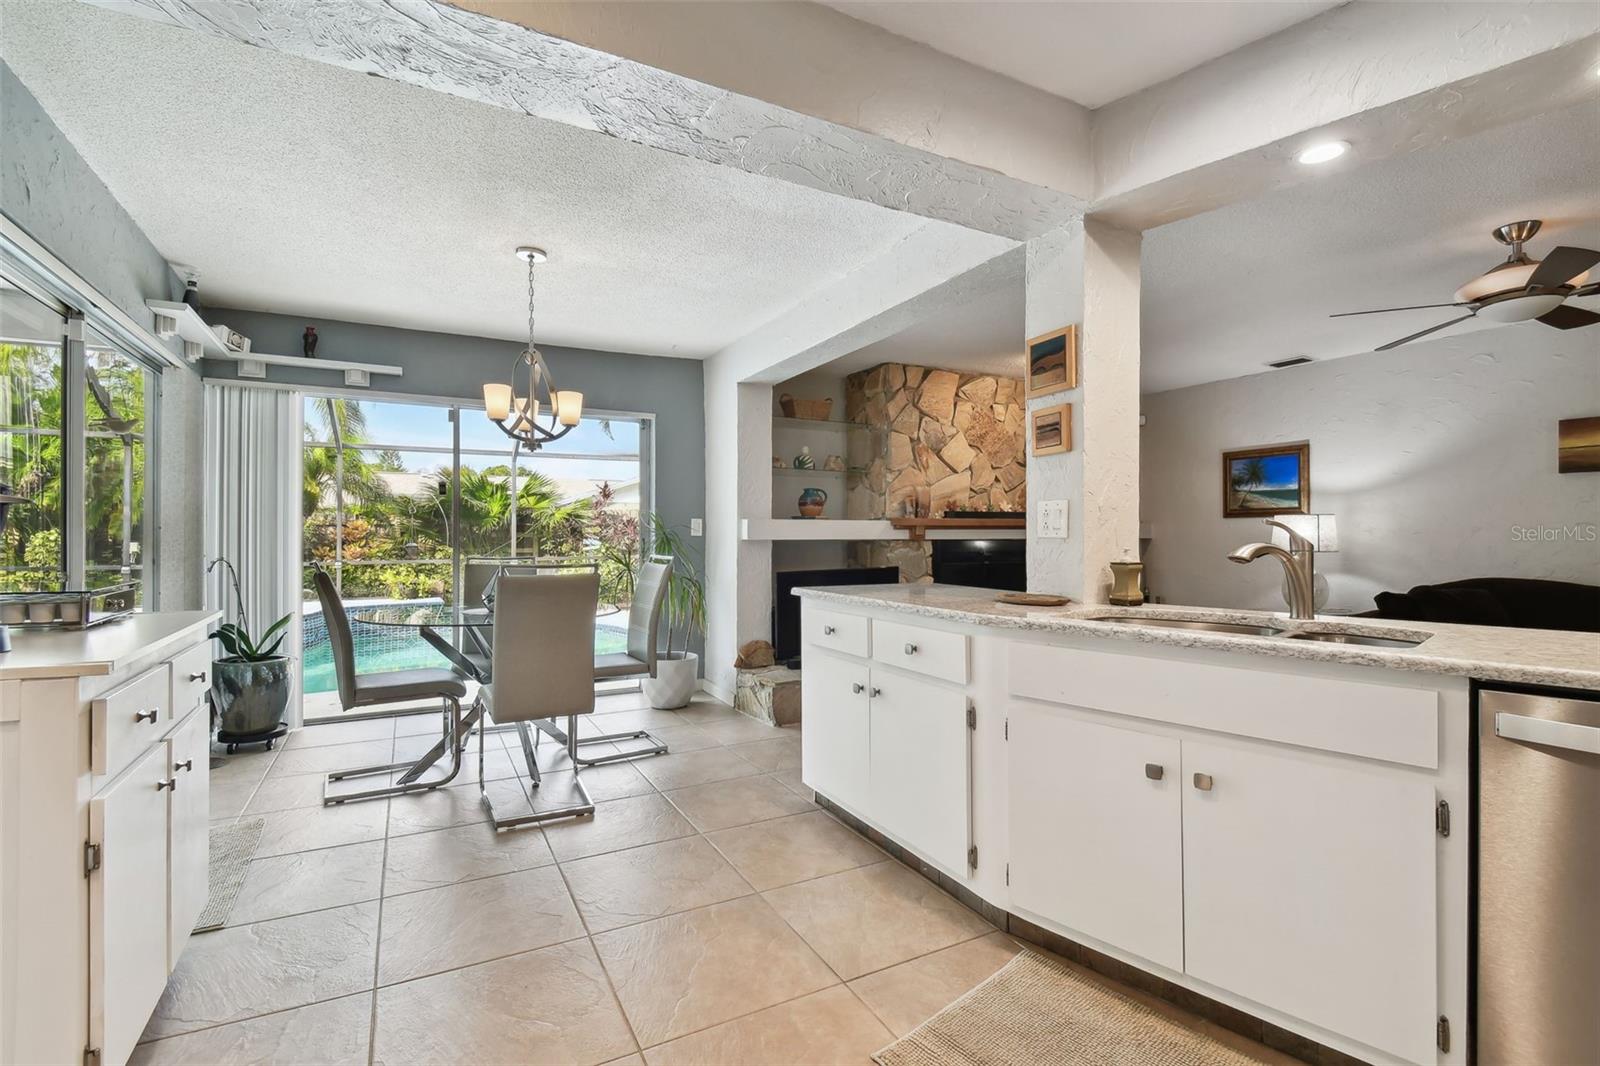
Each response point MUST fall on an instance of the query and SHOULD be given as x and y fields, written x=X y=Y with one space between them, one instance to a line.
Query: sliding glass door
x=399 y=497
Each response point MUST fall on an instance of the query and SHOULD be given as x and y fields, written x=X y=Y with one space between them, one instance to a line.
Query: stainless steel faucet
x=1298 y=567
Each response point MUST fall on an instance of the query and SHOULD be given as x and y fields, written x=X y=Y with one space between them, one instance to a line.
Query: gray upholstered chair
x=644 y=624
x=379 y=689
x=543 y=668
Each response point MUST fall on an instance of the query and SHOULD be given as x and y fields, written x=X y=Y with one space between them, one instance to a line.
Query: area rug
x=232 y=847
x=1036 y=1011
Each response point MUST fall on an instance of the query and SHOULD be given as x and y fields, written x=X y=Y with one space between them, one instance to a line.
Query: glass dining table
x=471 y=654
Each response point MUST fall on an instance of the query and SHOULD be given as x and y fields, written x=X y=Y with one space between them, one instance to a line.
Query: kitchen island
x=104 y=829
x=1250 y=816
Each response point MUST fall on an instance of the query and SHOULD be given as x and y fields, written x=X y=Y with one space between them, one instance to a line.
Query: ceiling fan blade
x=1569 y=318
x=1386 y=310
x=1590 y=289
x=1561 y=266
x=1422 y=333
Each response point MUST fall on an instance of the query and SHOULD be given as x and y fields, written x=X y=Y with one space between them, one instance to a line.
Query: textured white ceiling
x=981 y=335
x=1224 y=293
x=1088 y=52
x=297 y=187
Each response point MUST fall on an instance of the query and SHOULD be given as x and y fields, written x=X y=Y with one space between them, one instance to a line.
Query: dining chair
x=379 y=689
x=644 y=630
x=543 y=669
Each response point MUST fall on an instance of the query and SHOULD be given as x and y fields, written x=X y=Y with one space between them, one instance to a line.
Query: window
x=32 y=336
x=116 y=388
x=397 y=496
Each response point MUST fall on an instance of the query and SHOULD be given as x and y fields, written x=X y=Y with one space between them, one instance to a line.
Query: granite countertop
x=1488 y=653
x=104 y=649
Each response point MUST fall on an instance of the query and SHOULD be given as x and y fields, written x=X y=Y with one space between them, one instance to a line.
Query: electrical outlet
x=1053 y=519
x=696 y=527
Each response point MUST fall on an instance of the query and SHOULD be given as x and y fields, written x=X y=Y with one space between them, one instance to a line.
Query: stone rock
x=958 y=454
x=980 y=391
x=899 y=451
x=877 y=475
x=911 y=477
x=894 y=377
x=753 y=655
x=965 y=413
x=872 y=380
x=1007 y=390
x=997 y=497
x=933 y=434
x=914 y=376
x=897 y=403
x=982 y=472
x=937 y=397
x=951 y=491
x=1011 y=476
x=932 y=466
x=906 y=421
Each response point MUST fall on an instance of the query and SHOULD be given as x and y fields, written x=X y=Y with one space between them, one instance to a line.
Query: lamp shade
x=497 y=401
x=1322 y=530
x=569 y=407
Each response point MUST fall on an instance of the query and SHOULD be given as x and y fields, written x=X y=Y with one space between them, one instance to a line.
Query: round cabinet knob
x=877 y=692
x=201 y=676
x=147 y=716
x=1203 y=782
x=858 y=688
x=828 y=631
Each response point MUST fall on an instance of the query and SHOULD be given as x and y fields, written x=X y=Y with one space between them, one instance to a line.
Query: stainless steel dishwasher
x=1538 y=884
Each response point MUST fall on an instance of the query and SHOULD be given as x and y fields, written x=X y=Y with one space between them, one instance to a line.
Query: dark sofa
x=1497 y=601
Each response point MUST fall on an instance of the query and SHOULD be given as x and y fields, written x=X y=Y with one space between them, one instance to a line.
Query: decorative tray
x=68 y=609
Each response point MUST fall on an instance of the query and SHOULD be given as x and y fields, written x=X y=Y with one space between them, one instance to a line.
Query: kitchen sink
x=1354 y=638
x=1236 y=628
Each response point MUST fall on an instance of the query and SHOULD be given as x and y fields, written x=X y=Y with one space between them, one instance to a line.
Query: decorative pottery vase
x=812 y=501
x=250 y=698
x=677 y=678
x=803 y=461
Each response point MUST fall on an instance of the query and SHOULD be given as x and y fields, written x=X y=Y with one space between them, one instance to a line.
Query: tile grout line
x=377 y=947
x=588 y=937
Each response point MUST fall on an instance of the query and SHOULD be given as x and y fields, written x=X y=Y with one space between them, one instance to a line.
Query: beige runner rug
x=232 y=847
x=1036 y=1012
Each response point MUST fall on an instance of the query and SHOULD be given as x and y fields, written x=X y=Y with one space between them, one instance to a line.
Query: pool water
x=400 y=649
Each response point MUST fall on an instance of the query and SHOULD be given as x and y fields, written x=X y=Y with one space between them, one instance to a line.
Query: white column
x=1088 y=274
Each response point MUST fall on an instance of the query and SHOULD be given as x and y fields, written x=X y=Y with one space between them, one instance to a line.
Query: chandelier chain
x=530 y=303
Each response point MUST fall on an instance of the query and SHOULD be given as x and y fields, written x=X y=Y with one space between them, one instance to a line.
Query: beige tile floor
x=708 y=913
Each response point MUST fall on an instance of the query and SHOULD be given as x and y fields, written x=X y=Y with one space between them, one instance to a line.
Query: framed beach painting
x=1053 y=361
x=1260 y=482
x=1052 y=429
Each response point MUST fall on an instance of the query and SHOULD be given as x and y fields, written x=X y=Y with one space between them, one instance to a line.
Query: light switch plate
x=696 y=527
x=1053 y=519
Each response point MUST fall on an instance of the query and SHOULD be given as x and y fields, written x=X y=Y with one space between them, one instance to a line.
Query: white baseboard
x=708 y=687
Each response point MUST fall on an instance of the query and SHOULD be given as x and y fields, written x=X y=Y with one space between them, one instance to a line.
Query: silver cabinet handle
x=858 y=688
x=828 y=631
x=911 y=649
x=1547 y=732
x=173 y=785
x=201 y=676
x=1203 y=782
x=1154 y=771
x=187 y=764
x=877 y=692
x=147 y=716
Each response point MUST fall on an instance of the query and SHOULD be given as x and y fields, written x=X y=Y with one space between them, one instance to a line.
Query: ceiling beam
x=436 y=46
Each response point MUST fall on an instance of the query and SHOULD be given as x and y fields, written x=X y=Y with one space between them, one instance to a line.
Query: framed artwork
x=1052 y=429
x=1053 y=361
x=1578 y=445
x=1272 y=480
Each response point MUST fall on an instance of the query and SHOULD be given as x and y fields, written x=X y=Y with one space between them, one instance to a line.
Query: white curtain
x=253 y=478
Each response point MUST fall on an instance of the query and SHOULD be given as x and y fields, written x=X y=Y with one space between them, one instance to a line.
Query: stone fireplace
x=954 y=442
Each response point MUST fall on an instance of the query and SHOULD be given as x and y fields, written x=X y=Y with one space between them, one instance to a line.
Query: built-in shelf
x=920 y=528
x=857 y=529
x=181 y=320
x=825 y=423
x=789 y=471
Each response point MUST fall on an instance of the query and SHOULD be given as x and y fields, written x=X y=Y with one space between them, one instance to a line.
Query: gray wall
x=446 y=366
x=48 y=190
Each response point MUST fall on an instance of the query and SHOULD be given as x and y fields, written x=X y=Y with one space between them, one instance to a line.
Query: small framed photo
x=1271 y=480
x=1053 y=361
x=1052 y=429
x=1578 y=447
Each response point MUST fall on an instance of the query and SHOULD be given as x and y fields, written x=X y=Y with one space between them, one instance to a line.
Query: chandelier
x=542 y=413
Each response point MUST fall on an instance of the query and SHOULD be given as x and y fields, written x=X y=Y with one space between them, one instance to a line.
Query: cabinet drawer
x=836 y=630
x=933 y=652
x=127 y=720
x=191 y=676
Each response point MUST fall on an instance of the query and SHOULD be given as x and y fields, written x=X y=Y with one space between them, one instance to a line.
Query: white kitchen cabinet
x=188 y=828
x=835 y=745
x=921 y=765
x=1096 y=830
x=128 y=940
x=1310 y=886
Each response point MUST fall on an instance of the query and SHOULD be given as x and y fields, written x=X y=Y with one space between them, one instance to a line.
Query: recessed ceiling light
x=1325 y=152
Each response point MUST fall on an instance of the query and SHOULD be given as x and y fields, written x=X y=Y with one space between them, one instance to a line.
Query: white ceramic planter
x=675 y=682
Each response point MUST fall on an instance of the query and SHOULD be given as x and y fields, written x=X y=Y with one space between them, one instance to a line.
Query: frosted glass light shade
x=1521 y=309
x=1320 y=529
x=497 y=401
x=569 y=407
x=1497 y=281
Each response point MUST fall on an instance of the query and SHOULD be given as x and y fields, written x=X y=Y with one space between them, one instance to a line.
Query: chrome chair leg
x=569 y=737
x=577 y=810
x=412 y=771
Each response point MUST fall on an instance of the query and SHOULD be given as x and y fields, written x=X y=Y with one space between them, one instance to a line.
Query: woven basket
x=813 y=409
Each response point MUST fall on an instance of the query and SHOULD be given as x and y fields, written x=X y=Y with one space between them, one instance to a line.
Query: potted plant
x=684 y=614
x=250 y=684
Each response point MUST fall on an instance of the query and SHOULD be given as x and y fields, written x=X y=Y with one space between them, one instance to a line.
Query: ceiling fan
x=1518 y=289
